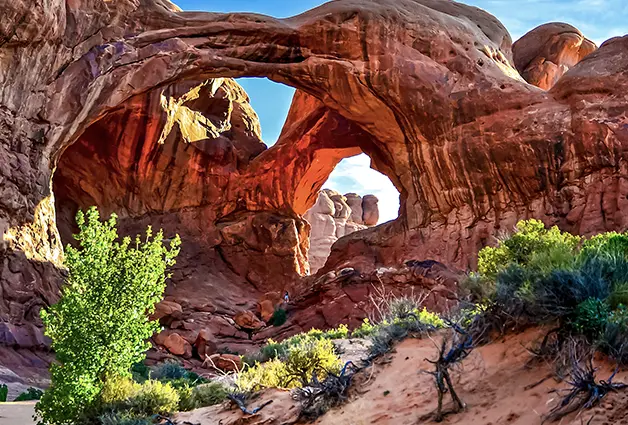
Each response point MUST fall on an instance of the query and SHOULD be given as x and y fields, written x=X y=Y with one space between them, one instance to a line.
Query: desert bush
x=169 y=370
x=209 y=394
x=117 y=418
x=100 y=326
x=140 y=372
x=532 y=244
x=279 y=317
x=4 y=392
x=30 y=394
x=117 y=390
x=154 y=397
x=204 y=395
x=303 y=359
x=365 y=330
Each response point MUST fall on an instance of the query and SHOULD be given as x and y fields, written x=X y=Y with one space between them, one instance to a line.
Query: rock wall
x=426 y=88
x=334 y=216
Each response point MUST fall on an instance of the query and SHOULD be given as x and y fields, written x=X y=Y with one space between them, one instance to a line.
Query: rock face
x=544 y=54
x=334 y=216
x=426 y=88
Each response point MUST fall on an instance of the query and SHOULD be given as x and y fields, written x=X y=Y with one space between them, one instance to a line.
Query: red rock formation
x=544 y=54
x=426 y=88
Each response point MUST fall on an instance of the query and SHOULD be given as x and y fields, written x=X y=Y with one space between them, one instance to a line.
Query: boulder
x=205 y=344
x=177 y=345
x=224 y=362
x=248 y=320
x=266 y=310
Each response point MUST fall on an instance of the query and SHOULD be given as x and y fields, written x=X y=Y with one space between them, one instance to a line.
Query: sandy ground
x=20 y=413
x=496 y=382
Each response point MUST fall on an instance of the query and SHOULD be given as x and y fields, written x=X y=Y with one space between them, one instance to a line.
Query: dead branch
x=459 y=349
x=584 y=392
x=240 y=400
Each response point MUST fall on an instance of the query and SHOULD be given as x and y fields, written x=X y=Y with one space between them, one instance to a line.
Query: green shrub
x=306 y=357
x=279 y=317
x=117 y=418
x=100 y=327
x=365 y=330
x=140 y=372
x=154 y=397
x=4 y=392
x=169 y=370
x=119 y=389
x=30 y=394
x=208 y=394
x=341 y=332
x=532 y=244
x=591 y=317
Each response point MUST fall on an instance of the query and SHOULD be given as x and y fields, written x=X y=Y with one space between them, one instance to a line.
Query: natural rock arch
x=425 y=88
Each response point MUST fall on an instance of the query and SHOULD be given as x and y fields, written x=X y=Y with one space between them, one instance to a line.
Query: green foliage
x=208 y=394
x=279 y=317
x=100 y=327
x=169 y=370
x=4 y=392
x=154 y=397
x=30 y=394
x=117 y=418
x=117 y=390
x=140 y=372
x=591 y=317
x=539 y=275
x=532 y=244
x=365 y=330
x=304 y=358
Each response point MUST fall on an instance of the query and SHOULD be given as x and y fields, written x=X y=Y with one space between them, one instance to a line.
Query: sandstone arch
x=424 y=87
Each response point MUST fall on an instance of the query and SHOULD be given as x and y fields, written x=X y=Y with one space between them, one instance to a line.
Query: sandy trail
x=20 y=413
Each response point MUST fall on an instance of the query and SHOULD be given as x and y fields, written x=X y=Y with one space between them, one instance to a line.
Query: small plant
x=30 y=394
x=118 y=389
x=117 y=418
x=302 y=359
x=168 y=371
x=365 y=330
x=209 y=394
x=4 y=392
x=279 y=317
x=154 y=397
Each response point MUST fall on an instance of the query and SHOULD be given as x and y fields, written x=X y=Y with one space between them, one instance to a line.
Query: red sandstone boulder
x=205 y=344
x=168 y=310
x=224 y=362
x=177 y=345
x=266 y=310
x=248 y=320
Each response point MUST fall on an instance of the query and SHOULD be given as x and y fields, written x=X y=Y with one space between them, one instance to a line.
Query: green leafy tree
x=100 y=327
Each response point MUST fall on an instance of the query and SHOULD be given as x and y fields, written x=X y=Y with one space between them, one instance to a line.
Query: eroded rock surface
x=426 y=88
x=546 y=53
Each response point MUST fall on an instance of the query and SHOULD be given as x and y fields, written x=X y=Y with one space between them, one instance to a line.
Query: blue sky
x=599 y=20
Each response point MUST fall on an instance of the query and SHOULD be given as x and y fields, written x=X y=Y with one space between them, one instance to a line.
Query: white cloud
x=355 y=175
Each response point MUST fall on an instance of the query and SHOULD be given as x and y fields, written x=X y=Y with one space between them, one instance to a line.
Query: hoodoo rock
x=334 y=216
x=427 y=89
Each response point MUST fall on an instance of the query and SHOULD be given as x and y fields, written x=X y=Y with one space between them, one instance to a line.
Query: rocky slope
x=334 y=216
x=428 y=89
x=495 y=382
